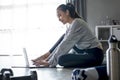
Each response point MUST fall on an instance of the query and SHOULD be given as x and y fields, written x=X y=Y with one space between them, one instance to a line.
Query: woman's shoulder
x=79 y=21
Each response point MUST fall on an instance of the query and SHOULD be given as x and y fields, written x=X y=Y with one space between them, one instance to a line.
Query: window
x=29 y=23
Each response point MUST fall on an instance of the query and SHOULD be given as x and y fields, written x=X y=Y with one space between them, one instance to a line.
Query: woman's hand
x=41 y=60
x=43 y=63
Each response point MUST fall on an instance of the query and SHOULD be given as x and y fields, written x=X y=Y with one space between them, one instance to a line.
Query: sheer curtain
x=32 y=24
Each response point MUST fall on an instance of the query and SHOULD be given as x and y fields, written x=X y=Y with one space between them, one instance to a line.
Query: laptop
x=28 y=64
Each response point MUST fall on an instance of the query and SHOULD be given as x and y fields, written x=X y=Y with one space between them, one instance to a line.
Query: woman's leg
x=81 y=60
x=73 y=60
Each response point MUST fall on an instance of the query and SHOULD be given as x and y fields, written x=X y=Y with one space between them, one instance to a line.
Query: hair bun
x=70 y=5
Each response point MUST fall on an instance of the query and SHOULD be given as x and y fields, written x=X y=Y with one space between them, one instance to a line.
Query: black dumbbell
x=6 y=70
x=32 y=76
x=6 y=76
x=5 y=73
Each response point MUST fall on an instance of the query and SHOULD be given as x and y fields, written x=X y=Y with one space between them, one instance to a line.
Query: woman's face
x=63 y=16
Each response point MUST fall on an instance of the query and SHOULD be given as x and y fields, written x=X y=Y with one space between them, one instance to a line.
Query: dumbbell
x=7 y=74
x=32 y=76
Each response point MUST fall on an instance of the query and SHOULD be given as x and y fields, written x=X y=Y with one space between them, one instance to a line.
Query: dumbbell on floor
x=7 y=74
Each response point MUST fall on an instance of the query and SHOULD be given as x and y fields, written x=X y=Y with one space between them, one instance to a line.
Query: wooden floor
x=54 y=74
x=46 y=73
x=42 y=73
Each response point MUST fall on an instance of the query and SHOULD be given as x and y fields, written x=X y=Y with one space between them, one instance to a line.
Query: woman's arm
x=57 y=43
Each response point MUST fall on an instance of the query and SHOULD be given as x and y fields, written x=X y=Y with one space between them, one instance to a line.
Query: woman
x=78 y=47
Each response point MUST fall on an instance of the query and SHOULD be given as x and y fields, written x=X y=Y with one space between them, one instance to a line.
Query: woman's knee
x=61 y=60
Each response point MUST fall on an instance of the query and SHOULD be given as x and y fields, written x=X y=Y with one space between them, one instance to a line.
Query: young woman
x=78 y=47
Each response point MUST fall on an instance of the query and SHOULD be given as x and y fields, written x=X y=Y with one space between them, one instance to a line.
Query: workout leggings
x=89 y=58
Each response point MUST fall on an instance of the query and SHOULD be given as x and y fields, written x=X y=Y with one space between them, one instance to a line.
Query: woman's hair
x=70 y=8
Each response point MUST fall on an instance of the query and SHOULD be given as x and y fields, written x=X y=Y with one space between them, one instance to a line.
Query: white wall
x=97 y=10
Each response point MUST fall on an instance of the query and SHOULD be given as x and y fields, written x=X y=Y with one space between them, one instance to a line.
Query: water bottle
x=113 y=59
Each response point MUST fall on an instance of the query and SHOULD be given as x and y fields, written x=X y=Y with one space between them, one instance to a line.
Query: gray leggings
x=92 y=57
